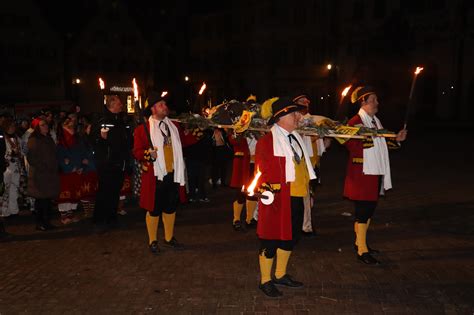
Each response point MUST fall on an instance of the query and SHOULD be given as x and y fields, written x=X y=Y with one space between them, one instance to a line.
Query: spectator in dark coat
x=43 y=176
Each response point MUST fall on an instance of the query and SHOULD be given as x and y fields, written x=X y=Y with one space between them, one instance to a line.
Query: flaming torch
x=203 y=87
x=141 y=118
x=102 y=88
x=410 y=96
x=344 y=93
x=266 y=197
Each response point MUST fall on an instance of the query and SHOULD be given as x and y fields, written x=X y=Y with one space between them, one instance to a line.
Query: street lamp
x=329 y=66
x=77 y=81
x=186 y=78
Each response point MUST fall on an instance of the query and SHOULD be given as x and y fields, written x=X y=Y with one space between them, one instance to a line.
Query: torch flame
x=101 y=84
x=203 y=87
x=135 y=89
x=418 y=70
x=346 y=90
x=252 y=185
x=164 y=93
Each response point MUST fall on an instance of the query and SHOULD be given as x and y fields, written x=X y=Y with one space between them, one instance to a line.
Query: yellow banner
x=346 y=130
x=244 y=121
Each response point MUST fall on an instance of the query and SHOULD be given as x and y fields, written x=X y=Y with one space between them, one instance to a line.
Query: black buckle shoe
x=372 y=251
x=238 y=226
x=367 y=259
x=173 y=243
x=154 y=247
x=288 y=282
x=269 y=289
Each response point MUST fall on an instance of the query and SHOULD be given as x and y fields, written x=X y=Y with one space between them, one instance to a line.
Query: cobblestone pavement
x=424 y=227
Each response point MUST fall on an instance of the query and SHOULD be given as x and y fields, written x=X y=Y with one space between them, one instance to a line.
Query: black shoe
x=367 y=259
x=252 y=224
x=41 y=227
x=287 y=282
x=308 y=234
x=154 y=247
x=49 y=226
x=173 y=243
x=371 y=250
x=269 y=289
x=238 y=226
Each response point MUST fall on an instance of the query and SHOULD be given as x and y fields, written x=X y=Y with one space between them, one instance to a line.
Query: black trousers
x=110 y=183
x=269 y=247
x=42 y=210
x=219 y=167
x=166 y=196
x=196 y=178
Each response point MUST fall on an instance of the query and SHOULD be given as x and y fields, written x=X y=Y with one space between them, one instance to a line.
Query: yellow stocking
x=151 y=227
x=237 y=210
x=250 y=205
x=265 y=268
x=282 y=261
x=362 y=238
x=168 y=222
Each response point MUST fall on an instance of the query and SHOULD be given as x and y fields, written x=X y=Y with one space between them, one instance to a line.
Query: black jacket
x=115 y=150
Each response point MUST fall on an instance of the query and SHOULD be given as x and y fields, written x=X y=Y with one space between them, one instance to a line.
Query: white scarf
x=321 y=148
x=282 y=148
x=157 y=140
x=376 y=160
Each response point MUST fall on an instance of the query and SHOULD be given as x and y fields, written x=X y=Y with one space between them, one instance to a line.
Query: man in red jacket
x=284 y=162
x=368 y=169
x=163 y=170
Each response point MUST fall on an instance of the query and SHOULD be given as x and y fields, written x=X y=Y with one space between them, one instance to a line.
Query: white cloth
x=309 y=146
x=321 y=147
x=376 y=160
x=252 y=143
x=282 y=148
x=157 y=140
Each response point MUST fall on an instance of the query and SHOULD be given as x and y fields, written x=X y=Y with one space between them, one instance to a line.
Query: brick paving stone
x=424 y=227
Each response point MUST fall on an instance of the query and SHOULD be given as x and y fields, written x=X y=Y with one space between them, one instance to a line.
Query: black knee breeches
x=166 y=196
x=269 y=247
x=364 y=210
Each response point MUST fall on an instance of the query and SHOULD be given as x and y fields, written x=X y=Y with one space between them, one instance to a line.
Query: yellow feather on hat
x=251 y=98
x=355 y=94
x=266 y=110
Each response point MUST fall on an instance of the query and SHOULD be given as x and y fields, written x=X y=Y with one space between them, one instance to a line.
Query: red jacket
x=358 y=186
x=148 y=178
x=241 y=162
x=274 y=220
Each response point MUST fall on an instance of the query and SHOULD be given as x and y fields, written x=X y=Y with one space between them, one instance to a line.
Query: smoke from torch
x=203 y=87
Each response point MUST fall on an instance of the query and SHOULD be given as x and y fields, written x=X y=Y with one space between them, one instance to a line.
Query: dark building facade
x=111 y=47
x=281 y=47
x=32 y=56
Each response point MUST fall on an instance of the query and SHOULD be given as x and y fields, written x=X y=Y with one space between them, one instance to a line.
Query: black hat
x=361 y=92
x=283 y=106
x=153 y=98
